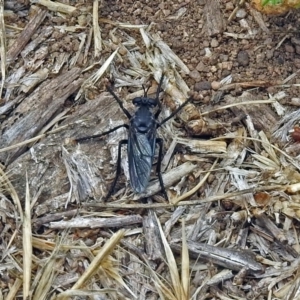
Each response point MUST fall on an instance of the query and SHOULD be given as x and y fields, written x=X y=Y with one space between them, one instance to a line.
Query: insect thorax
x=143 y=120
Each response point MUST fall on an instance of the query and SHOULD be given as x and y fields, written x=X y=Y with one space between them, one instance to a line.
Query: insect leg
x=159 y=141
x=126 y=112
x=118 y=171
x=179 y=108
x=101 y=134
x=157 y=96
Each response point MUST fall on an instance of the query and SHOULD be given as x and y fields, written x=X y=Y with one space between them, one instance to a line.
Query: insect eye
x=152 y=102
x=136 y=101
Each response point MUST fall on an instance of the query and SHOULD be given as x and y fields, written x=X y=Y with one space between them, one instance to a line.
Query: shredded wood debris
x=229 y=228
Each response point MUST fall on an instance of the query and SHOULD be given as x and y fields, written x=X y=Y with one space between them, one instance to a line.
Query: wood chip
x=23 y=38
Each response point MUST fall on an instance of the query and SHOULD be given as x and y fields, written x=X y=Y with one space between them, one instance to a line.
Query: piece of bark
x=264 y=222
x=153 y=243
x=280 y=238
x=214 y=22
x=229 y=258
x=262 y=115
x=9 y=105
x=37 y=110
x=169 y=178
x=81 y=222
x=44 y=164
x=24 y=37
x=251 y=84
x=174 y=218
x=37 y=41
x=54 y=217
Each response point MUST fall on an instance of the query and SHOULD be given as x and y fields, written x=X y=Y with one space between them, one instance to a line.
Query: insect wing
x=140 y=157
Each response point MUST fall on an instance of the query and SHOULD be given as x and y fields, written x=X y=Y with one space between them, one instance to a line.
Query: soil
x=233 y=54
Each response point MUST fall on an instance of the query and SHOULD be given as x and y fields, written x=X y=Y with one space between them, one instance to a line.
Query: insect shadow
x=142 y=140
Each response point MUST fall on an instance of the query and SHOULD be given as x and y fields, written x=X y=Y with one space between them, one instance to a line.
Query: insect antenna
x=157 y=97
x=146 y=90
x=126 y=112
x=159 y=86
x=178 y=109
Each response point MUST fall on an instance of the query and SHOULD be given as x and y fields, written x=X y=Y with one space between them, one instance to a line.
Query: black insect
x=141 y=140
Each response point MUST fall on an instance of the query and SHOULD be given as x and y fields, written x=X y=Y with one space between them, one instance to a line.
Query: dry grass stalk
x=91 y=81
x=34 y=139
x=266 y=161
x=87 y=293
x=196 y=188
x=108 y=247
x=44 y=278
x=177 y=288
x=190 y=202
x=2 y=46
x=27 y=245
x=79 y=222
x=14 y=289
x=185 y=265
x=6 y=185
x=238 y=104
x=96 y=29
x=55 y=6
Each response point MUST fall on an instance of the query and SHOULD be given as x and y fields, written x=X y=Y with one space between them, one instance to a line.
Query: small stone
x=268 y=41
x=269 y=53
x=223 y=57
x=227 y=65
x=295 y=41
x=215 y=85
x=177 y=44
x=202 y=86
x=289 y=48
x=206 y=99
x=207 y=52
x=225 y=73
x=123 y=50
x=166 y=12
x=241 y=13
x=201 y=67
x=205 y=44
x=260 y=57
x=229 y=6
x=214 y=59
x=297 y=62
x=297 y=49
x=295 y=101
x=195 y=75
x=213 y=69
x=214 y=43
x=82 y=20
x=243 y=58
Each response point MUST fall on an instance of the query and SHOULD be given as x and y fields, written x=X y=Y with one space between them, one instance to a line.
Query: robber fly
x=141 y=140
